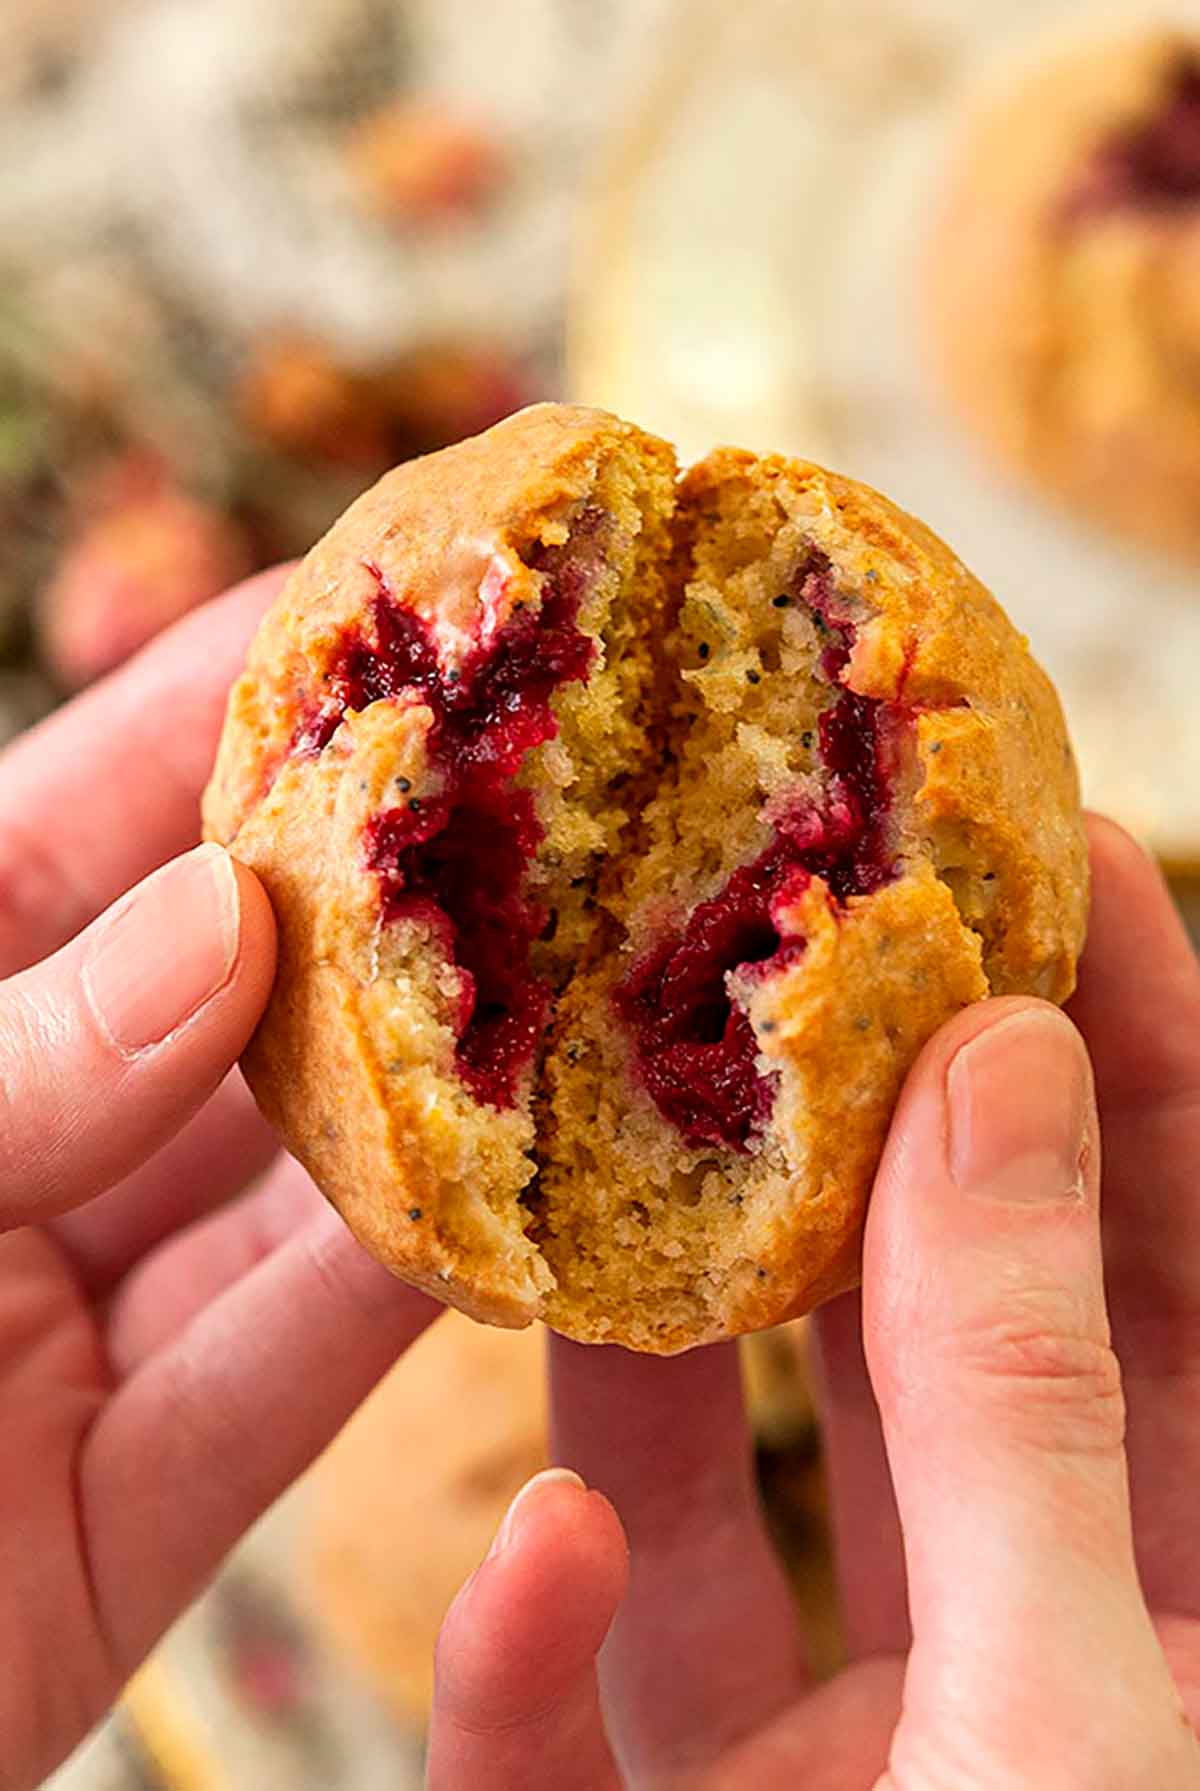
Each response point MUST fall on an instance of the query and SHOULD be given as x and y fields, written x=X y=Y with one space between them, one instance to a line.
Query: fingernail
x=1020 y=1098
x=164 y=950
x=510 y=1522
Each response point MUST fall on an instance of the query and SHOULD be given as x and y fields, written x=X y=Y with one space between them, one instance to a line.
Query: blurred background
x=253 y=254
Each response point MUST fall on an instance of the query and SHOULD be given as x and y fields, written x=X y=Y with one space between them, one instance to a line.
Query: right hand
x=1024 y=1611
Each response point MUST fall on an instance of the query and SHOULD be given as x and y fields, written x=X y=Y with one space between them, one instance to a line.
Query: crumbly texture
x=1062 y=276
x=802 y=794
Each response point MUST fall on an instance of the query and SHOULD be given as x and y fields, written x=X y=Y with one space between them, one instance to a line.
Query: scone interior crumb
x=590 y=777
x=820 y=795
x=659 y=1162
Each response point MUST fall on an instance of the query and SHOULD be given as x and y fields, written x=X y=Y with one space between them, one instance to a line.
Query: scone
x=628 y=838
x=1063 y=281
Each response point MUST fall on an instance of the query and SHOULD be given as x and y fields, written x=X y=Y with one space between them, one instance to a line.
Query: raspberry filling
x=1154 y=165
x=695 y=1048
x=456 y=856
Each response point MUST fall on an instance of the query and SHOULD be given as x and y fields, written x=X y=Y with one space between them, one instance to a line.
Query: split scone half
x=627 y=838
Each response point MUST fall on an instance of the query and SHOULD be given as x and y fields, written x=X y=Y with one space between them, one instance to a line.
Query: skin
x=168 y=1285
x=1023 y=1609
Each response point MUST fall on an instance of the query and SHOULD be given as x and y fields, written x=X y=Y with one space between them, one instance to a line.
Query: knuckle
x=1060 y=1389
x=1034 y=1364
x=329 y=1263
x=208 y=1416
x=41 y=905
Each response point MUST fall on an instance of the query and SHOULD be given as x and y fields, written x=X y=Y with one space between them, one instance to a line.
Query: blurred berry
x=298 y=398
x=295 y=396
x=418 y=163
x=444 y=391
x=141 y=554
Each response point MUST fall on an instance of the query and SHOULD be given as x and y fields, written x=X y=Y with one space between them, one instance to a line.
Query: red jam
x=1154 y=165
x=456 y=855
x=466 y=877
x=695 y=1047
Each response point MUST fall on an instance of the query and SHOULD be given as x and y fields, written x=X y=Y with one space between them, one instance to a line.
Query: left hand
x=183 y=1324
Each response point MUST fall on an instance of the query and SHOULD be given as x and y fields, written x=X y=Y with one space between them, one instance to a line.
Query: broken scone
x=628 y=837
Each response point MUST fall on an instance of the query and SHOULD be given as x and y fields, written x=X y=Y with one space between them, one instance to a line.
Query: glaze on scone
x=627 y=839
x=1063 y=281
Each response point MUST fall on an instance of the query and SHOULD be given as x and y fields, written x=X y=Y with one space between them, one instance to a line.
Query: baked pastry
x=1063 y=281
x=627 y=839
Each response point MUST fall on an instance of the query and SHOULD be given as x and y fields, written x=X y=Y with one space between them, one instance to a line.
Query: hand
x=174 y=1349
x=996 y=1605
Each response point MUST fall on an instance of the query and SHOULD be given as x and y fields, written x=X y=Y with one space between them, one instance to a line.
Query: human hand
x=997 y=1605
x=175 y=1344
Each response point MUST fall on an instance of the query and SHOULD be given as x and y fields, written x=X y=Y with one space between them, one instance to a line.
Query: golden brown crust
x=381 y=1146
x=1062 y=341
x=629 y=1233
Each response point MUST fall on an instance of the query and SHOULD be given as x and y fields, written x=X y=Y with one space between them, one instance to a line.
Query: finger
x=216 y=1155
x=516 y=1705
x=1138 y=1006
x=866 y=1524
x=706 y=1645
x=172 y=1285
x=206 y=1434
x=988 y=1346
x=110 y=1046
x=109 y=787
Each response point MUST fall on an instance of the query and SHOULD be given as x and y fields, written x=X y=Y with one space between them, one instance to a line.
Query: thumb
x=988 y=1344
x=107 y=1047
